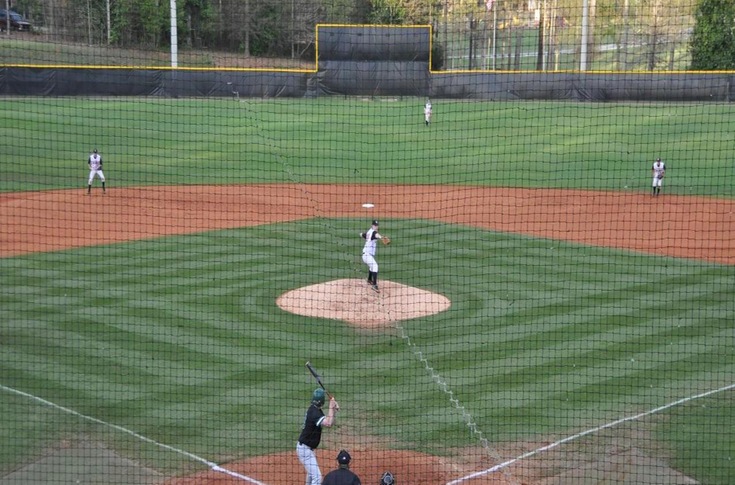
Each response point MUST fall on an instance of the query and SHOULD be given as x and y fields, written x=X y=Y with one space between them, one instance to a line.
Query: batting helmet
x=318 y=397
x=387 y=479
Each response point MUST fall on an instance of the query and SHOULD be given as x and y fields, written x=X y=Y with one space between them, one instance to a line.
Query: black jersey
x=341 y=476
x=311 y=434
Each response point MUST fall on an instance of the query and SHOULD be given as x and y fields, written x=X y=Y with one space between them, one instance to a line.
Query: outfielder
x=658 y=170
x=371 y=238
x=427 y=112
x=95 y=168
x=311 y=434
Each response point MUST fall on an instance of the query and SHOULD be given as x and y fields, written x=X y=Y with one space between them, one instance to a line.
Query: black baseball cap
x=343 y=457
x=375 y=223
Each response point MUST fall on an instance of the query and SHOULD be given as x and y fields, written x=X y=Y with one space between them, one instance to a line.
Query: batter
x=311 y=434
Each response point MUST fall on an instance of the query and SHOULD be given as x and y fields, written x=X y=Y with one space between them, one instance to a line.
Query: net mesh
x=547 y=311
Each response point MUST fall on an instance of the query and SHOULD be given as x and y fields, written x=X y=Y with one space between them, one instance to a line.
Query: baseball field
x=588 y=338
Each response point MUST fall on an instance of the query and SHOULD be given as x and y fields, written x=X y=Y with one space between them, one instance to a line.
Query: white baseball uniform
x=95 y=167
x=427 y=112
x=368 y=251
x=659 y=168
x=307 y=457
x=368 y=254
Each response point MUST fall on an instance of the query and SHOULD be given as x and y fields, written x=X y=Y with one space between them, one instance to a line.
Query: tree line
x=643 y=34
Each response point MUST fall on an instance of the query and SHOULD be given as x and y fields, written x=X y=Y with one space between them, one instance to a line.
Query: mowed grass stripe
x=607 y=322
x=220 y=349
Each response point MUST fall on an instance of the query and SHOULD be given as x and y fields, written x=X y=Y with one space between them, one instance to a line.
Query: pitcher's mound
x=355 y=302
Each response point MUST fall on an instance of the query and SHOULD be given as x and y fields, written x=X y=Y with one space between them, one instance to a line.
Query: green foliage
x=437 y=56
x=266 y=37
x=387 y=12
x=146 y=23
x=713 y=40
x=139 y=23
x=152 y=19
x=121 y=23
x=32 y=9
x=200 y=27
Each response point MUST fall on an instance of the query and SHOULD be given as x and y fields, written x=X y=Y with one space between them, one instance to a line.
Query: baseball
x=368 y=205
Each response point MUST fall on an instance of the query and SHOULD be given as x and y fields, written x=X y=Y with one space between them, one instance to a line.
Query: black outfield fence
x=379 y=79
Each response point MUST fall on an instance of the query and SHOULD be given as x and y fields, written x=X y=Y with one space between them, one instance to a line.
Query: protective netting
x=548 y=309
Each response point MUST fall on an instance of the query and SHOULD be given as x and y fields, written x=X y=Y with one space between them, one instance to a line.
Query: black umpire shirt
x=341 y=476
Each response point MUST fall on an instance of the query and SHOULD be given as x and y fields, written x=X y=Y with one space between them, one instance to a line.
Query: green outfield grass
x=179 y=339
x=336 y=140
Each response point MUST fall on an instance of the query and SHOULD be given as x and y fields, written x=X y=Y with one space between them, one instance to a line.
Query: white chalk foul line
x=505 y=464
x=213 y=466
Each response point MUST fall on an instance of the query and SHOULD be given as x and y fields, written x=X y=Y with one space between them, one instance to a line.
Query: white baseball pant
x=370 y=261
x=92 y=173
x=307 y=457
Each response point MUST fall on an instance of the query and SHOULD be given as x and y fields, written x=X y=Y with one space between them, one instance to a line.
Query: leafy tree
x=667 y=22
x=198 y=27
x=31 y=9
x=712 y=43
x=401 y=12
x=141 y=23
x=387 y=12
x=437 y=56
x=266 y=39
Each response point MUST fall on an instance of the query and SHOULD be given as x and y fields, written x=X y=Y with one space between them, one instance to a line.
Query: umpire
x=342 y=475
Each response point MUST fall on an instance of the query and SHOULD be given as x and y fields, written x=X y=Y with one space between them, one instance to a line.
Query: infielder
x=371 y=237
x=311 y=434
x=95 y=168
x=658 y=170
x=427 y=112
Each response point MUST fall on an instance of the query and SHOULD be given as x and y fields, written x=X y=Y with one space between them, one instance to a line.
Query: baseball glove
x=660 y=176
x=385 y=240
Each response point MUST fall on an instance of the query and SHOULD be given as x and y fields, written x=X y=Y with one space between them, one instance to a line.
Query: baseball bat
x=318 y=378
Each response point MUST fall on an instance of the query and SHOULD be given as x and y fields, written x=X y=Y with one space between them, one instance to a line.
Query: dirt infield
x=678 y=226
